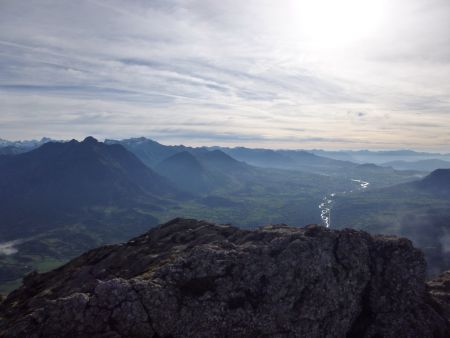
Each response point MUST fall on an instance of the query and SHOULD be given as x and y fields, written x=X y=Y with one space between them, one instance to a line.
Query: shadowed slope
x=49 y=184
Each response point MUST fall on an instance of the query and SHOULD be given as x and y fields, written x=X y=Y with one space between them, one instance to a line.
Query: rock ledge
x=189 y=278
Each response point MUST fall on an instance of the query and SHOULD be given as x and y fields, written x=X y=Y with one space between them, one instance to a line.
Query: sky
x=330 y=74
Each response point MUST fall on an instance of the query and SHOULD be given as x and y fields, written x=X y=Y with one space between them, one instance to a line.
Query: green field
x=268 y=196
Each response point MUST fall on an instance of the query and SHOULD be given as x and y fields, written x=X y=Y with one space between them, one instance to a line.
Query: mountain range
x=152 y=153
x=57 y=180
x=62 y=198
x=437 y=183
x=420 y=165
x=380 y=157
x=17 y=147
x=204 y=172
x=59 y=199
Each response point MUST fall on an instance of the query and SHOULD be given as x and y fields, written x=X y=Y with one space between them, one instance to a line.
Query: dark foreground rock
x=190 y=278
x=440 y=290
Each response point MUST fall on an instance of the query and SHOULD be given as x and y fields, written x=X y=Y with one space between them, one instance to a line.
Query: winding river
x=327 y=202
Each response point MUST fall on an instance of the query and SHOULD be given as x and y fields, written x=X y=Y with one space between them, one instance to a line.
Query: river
x=327 y=202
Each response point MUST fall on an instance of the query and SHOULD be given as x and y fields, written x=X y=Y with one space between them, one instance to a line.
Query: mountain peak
x=441 y=173
x=185 y=171
x=232 y=283
x=183 y=161
x=90 y=140
x=438 y=177
x=438 y=181
x=92 y=174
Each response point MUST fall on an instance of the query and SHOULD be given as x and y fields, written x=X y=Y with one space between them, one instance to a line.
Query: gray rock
x=440 y=291
x=189 y=278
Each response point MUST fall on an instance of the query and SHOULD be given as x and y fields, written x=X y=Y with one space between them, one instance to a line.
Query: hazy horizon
x=218 y=144
x=284 y=74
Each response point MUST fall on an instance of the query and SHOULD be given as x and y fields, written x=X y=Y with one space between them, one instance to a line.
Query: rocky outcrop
x=440 y=291
x=189 y=278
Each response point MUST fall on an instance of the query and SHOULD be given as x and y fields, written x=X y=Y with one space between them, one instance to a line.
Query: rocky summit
x=189 y=278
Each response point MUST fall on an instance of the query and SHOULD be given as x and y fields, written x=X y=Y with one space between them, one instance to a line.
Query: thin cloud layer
x=256 y=73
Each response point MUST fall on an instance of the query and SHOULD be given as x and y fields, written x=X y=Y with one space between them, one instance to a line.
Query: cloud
x=245 y=71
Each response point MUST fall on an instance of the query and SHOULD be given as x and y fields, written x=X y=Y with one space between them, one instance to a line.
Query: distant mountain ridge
x=186 y=171
x=380 y=157
x=63 y=198
x=10 y=150
x=152 y=153
x=422 y=165
x=286 y=159
x=438 y=182
x=57 y=179
x=203 y=172
x=149 y=151
x=16 y=147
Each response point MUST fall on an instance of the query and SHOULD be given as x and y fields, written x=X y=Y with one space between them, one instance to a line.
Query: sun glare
x=335 y=22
